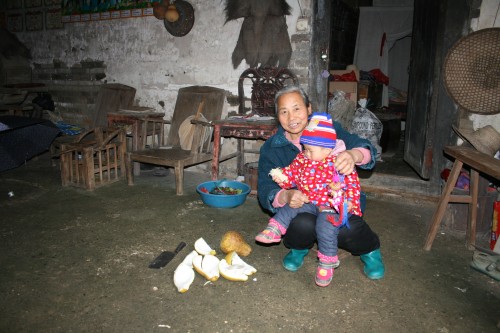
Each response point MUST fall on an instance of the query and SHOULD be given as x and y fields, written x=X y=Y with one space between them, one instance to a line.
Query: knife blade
x=166 y=256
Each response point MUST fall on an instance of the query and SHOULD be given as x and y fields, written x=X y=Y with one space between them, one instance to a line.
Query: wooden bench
x=479 y=163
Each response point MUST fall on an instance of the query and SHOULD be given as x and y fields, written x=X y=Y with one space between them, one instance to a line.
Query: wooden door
x=437 y=25
x=419 y=117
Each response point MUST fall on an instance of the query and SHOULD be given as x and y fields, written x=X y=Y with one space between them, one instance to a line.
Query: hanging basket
x=472 y=72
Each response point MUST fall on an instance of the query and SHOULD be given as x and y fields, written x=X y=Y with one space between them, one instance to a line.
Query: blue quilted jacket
x=277 y=151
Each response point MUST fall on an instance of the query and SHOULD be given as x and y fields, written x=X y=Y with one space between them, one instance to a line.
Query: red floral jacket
x=313 y=179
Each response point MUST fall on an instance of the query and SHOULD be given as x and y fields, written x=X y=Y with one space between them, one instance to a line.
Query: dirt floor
x=77 y=261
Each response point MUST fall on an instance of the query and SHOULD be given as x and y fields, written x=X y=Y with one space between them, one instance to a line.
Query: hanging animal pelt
x=263 y=39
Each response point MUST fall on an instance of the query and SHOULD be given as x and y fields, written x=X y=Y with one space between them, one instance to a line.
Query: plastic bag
x=368 y=126
x=342 y=109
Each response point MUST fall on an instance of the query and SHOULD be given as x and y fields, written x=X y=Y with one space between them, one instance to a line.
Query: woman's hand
x=346 y=161
x=294 y=198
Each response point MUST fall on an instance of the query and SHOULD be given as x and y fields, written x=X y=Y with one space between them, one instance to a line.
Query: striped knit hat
x=319 y=132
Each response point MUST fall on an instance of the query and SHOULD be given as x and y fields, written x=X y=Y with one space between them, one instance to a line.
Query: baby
x=332 y=196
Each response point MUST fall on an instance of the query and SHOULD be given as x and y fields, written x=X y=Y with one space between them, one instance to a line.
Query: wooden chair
x=162 y=147
x=111 y=98
x=266 y=81
x=97 y=159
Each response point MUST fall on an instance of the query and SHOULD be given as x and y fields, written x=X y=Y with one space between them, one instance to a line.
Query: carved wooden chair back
x=266 y=81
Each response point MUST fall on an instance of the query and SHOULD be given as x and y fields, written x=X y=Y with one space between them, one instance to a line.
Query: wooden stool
x=92 y=164
x=478 y=162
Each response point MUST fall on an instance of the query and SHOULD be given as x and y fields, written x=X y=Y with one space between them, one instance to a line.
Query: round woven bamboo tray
x=472 y=72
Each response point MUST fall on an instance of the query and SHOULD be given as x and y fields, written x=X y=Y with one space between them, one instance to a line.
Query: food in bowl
x=223 y=193
x=222 y=190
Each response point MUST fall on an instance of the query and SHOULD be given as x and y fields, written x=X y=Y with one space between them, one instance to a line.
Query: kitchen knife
x=166 y=256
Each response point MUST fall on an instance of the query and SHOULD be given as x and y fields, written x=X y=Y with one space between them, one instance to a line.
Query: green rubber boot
x=294 y=259
x=374 y=266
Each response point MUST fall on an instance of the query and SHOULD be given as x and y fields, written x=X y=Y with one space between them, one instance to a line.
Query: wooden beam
x=320 y=45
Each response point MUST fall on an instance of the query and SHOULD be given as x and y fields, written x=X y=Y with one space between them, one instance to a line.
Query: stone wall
x=74 y=61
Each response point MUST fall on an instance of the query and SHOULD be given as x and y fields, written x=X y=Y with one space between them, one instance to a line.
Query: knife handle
x=179 y=247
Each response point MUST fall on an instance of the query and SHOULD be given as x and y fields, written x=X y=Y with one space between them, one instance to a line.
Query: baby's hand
x=277 y=180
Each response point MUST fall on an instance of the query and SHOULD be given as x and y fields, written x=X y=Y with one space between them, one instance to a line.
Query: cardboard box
x=350 y=88
x=371 y=91
x=362 y=90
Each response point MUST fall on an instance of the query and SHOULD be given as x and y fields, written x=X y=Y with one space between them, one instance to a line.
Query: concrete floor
x=76 y=261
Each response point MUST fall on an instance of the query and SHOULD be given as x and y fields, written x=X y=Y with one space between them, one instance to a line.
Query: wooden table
x=16 y=110
x=242 y=130
x=479 y=163
x=19 y=94
x=133 y=116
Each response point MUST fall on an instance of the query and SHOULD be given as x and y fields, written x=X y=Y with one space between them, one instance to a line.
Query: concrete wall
x=141 y=53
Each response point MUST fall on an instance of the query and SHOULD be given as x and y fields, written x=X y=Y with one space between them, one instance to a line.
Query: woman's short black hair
x=291 y=89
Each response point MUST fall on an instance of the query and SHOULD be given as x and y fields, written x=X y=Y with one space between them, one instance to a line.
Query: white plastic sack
x=368 y=126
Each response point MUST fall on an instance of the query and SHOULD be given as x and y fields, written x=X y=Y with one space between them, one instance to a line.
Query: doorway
x=381 y=41
x=430 y=112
